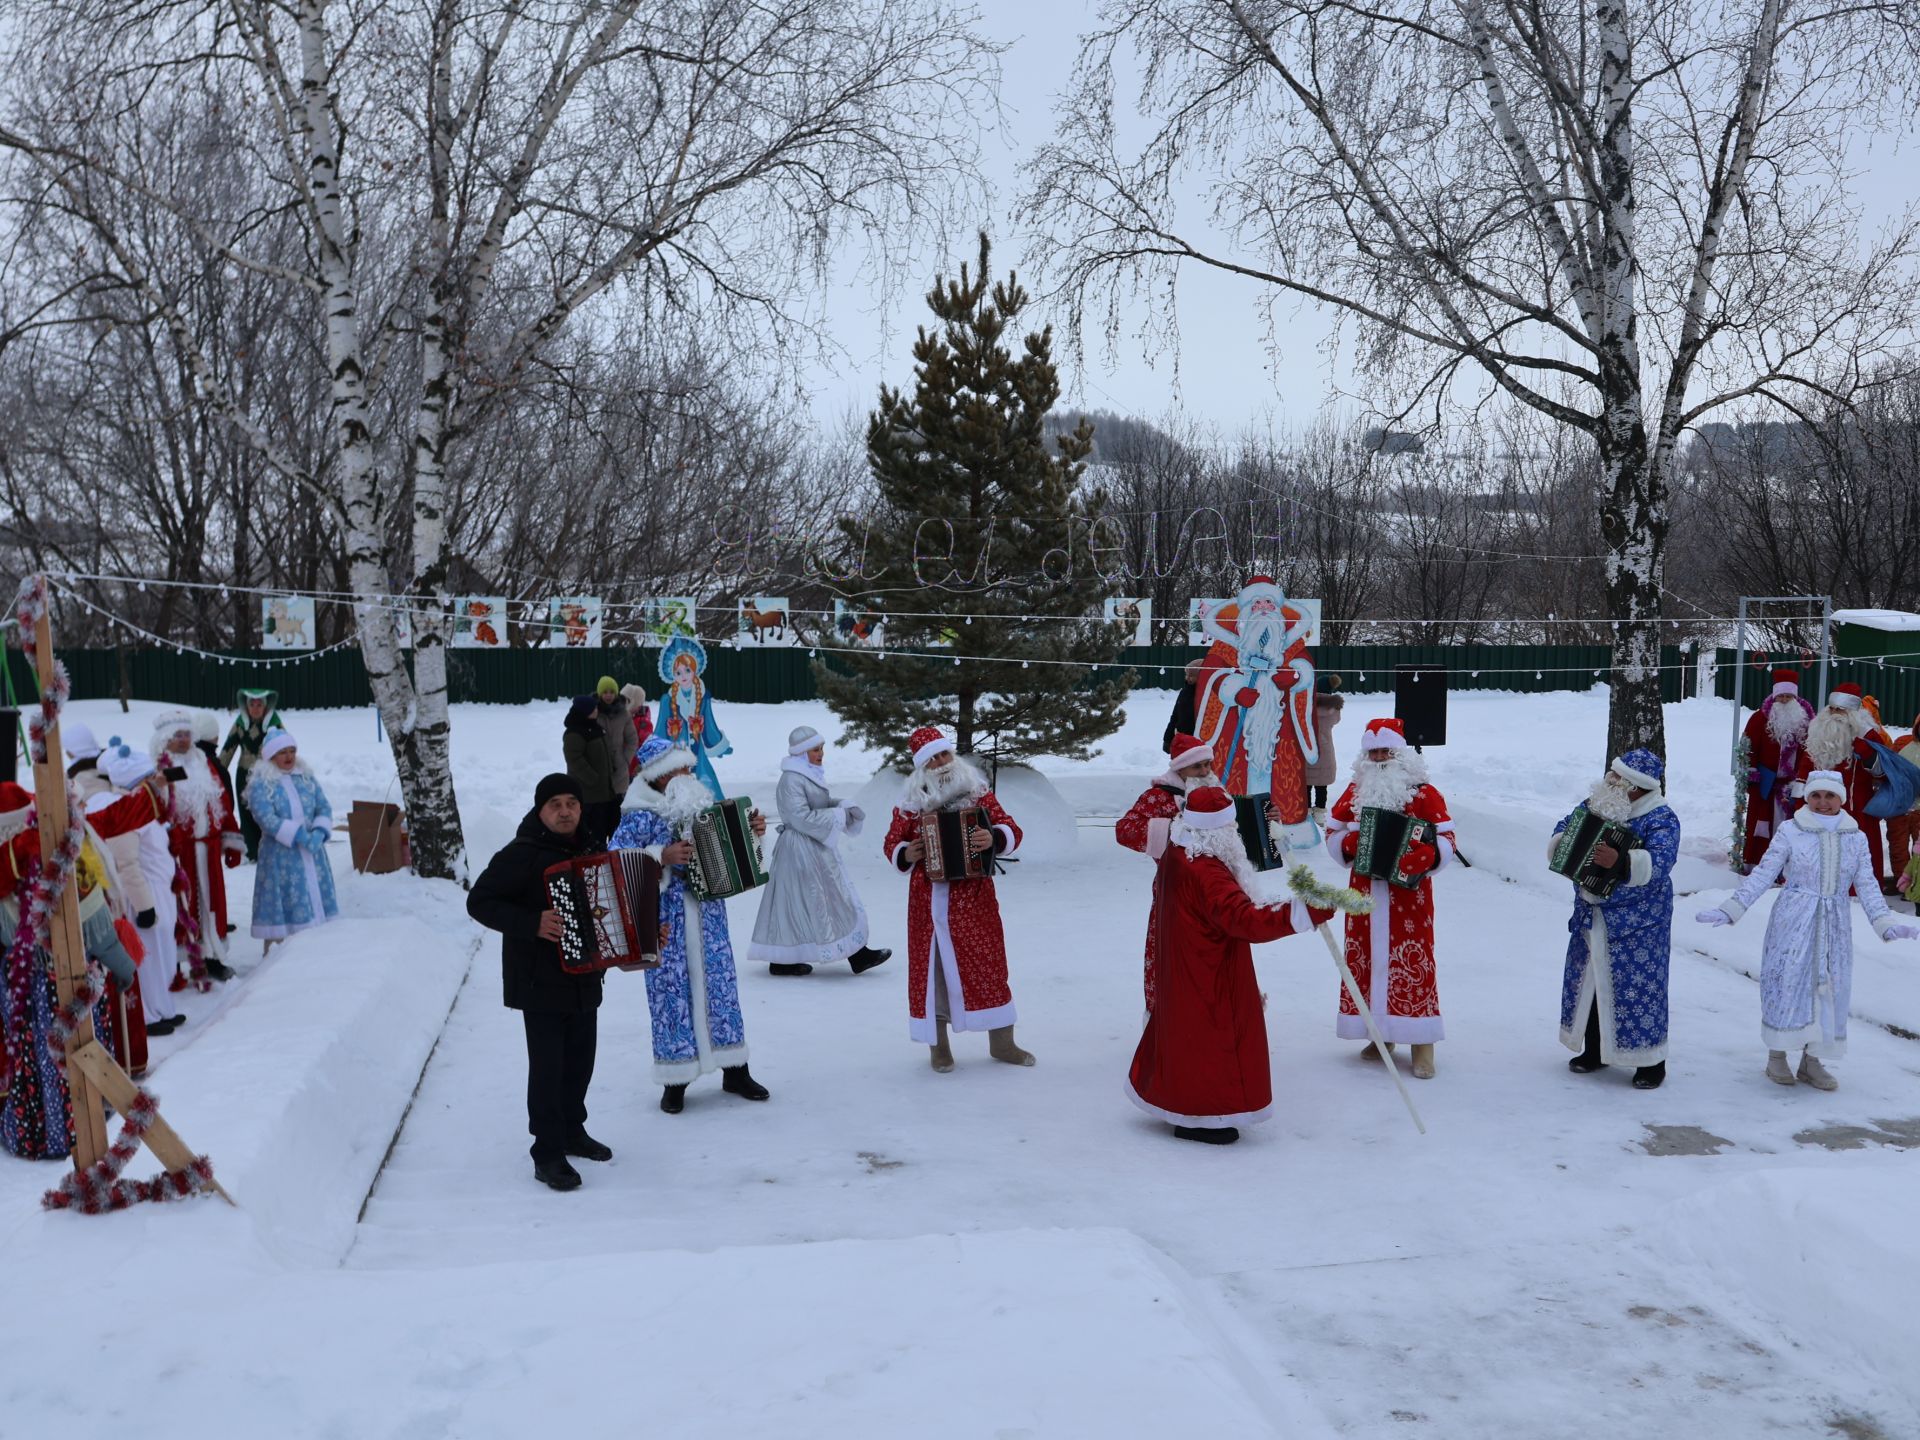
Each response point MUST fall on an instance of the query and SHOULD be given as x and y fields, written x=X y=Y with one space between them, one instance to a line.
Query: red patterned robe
x=1203 y=1058
x=1771 y=770
x=1144 y=828
x=1856 y=773
x=1396 y=938
x=200 y=826
x=960 y=921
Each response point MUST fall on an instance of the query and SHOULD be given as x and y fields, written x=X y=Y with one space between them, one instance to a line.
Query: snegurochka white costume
x=1806 y=962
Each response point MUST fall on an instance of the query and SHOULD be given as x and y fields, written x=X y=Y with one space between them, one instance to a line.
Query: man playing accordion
x=560 y=1010
x=956 y=949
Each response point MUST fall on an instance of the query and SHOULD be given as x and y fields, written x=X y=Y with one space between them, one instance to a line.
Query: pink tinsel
x=99 y=1188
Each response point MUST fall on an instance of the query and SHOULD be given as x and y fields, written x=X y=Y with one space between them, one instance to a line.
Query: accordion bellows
x=1385 y=838
x=1572 y=854
x=609 y=909
x=946 y=853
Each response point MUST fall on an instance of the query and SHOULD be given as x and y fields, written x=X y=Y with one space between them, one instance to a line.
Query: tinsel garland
x=40 y=892
x=28 y=606
x=186 y=931
x=1737 y=842
x=1314 y=891
x=99 y=1188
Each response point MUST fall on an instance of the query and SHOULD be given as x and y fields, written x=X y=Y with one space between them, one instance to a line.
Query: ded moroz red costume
x=1202 y=1061
x=1837 y=740
x=1391 y=950
x=202 y=829
x=1144 y=827
x=956 y=949
x=1776 y=736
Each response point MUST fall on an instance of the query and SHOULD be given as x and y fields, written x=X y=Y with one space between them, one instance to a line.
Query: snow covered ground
x=999 y=1252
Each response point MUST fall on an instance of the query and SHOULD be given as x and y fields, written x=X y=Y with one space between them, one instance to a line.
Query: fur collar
x=1843 y=823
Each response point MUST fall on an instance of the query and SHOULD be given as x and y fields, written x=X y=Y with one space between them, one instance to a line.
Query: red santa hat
x=16 y=804
x=1209 y=808
x=1387 y=734
x=1845 y=697
x=1188 y=751
x=927 y=742
x=1786 y=682
x=1260 y=587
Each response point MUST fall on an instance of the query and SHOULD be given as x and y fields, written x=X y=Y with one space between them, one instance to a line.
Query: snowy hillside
x=997 y=1252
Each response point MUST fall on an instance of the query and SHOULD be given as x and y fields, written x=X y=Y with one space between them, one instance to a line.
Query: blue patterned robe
x=696 y=1009
x=293 y=887
x=679 y=709
x=1631 y=932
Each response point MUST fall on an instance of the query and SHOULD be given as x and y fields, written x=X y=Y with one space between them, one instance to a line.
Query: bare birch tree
x=1620 y=213
x=469 y=178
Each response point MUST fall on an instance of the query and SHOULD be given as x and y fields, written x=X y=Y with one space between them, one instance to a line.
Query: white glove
x=1902 y=932
x=856 y=814
x=1714 y=917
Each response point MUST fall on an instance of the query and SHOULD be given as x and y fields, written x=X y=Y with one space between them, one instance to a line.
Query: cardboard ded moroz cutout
x=1255 y=702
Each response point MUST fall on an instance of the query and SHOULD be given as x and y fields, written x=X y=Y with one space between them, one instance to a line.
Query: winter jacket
x=247 y=736
x=1184 y=717
x=1327 y=706
x=509 y=897
x=589 y=752
x=118 y=820
x=617 y=720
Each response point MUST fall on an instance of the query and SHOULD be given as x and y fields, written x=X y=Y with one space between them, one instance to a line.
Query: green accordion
x=726 y=853
x=1385 y=838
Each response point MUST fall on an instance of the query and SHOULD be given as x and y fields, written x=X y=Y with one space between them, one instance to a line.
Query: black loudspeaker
x=9 y=741
x=1420 y=702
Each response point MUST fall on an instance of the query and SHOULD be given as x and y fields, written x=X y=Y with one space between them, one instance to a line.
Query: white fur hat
x=276 y=741
x=1828 y=781
x=76 y=736
x=804 y=739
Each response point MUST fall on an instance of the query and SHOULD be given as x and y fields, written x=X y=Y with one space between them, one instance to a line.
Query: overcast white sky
x=1230 y=372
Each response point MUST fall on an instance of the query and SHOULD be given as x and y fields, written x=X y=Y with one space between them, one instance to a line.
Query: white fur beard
x=684 y=798
x=944 y=788
x=1787 y=721
x=1608 y=801
x=1830 y=737
x=1389 y=784
x=1225 y=845
x=196 y=798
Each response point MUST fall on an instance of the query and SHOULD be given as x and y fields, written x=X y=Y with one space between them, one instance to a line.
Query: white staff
x=1308 y=887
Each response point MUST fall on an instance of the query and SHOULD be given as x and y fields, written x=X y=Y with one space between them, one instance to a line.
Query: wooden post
x=69 y=951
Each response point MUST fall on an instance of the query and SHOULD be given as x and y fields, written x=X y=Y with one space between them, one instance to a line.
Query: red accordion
x=609 y=909
x=945 y=837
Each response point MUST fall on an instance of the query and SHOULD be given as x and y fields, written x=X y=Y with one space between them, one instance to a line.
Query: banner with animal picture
x=1134 y=610
x=765 y=620
x=573 y=622
x=1200 y=611
x=855 y=624
x=479 y=622
x=665 y=616
x=286 y=622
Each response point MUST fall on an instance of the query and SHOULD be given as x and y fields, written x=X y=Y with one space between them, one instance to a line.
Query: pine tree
x=977 y=542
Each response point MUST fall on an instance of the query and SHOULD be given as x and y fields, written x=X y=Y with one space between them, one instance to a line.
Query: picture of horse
x=764 y=620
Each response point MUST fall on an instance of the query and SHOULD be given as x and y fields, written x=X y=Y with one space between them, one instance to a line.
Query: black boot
x=866 y=957
x=1588 y=1060
x=1649 y=1077
x=794 y=969
x=556 y=1174
x=584 y=1147
x=218 y=970
x=673 y=1099
x=1207 y=1135
x=738 y=1080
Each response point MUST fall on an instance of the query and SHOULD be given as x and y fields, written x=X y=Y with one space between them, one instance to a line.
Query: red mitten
x=1246 y=697
x=233 y=858
x=1350 y=845
x=1420 y=858
x=1319 y=916
x=130 y=939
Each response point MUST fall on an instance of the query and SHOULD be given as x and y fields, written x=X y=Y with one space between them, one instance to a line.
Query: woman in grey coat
x=810 y=914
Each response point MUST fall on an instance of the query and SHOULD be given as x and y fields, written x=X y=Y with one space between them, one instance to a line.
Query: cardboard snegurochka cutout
x=1255 y=702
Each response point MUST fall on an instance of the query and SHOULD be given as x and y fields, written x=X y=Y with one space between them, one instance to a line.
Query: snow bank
x=1892 y=621
x=1047 y=825
x=1830 y=1259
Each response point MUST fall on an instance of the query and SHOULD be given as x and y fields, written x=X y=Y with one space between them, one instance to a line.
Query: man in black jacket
x=560 y=1010
x=1184 y=720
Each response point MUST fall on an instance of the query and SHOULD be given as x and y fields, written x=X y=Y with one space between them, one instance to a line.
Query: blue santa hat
x=660 y=756
x=1642 y=768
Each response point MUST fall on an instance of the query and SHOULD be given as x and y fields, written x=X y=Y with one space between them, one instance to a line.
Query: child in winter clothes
x=1806 y=962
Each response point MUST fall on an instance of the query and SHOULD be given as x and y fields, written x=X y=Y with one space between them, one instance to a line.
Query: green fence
x=763 y=676
x=1895 y=684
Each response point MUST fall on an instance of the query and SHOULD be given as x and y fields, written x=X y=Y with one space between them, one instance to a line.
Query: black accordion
x=1256 y=831
x=609 y=909
x=1385 y=838
x=726 y=853
x=1573 y=847
x=946 y=853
